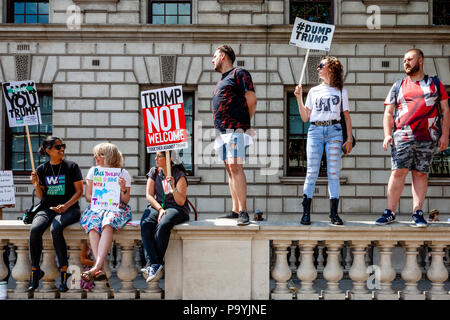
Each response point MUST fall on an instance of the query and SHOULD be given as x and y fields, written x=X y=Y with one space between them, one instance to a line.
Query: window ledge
x=301 y=180
x=436 y=181
x=191 y=179
x=389 y=2
x=240 y=1
x=94 y=1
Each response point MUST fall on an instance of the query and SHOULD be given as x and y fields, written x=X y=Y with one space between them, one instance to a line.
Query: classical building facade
x=91 y=59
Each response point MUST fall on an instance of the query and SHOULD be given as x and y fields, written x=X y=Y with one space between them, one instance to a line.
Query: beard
x=218 y=66
x=413 y=70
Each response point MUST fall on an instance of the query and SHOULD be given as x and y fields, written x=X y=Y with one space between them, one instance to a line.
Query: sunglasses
x=321 y=66
x=160 y=156
x=59 y=146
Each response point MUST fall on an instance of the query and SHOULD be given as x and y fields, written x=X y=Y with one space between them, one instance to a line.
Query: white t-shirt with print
x=124 y=174
x=324 y=102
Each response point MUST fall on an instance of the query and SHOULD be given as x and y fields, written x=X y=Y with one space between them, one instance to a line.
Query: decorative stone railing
x=214 y=259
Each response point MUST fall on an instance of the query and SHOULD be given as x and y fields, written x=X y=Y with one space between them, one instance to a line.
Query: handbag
x=344 y=126
x=29 y=214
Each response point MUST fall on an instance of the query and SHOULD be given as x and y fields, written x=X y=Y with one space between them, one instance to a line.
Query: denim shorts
x=412 y=155
x=235 y=148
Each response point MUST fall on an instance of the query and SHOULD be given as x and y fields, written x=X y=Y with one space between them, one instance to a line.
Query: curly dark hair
x=336 y=70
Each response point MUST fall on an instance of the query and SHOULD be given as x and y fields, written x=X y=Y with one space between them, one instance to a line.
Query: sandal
x=87 y=276
x=100 y=276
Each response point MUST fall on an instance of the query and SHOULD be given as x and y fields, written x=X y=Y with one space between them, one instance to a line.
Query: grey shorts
x=413 y=155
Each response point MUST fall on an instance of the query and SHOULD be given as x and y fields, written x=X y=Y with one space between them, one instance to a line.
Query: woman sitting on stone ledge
x=59 y=185
x=168 y=206
x=99 y=224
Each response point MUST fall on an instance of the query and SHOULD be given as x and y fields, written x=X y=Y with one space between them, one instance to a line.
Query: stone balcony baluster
x=21 y=271
x=306 y=272
x=3 y=267
x=387 y=272
x=76 y=269
x=411 y=272
x=348 y=259
x=48 y=265
x=437 y=273
x=127 y=271
x=320 y=259
x=333 y=272
x=102 y=290
x=281 y=272
x=358 y=271
x=292 y=258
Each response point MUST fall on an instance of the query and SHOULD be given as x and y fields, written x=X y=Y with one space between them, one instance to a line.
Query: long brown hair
x=336 y=71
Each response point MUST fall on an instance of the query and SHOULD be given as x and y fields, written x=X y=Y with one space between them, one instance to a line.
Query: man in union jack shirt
x=411 y=127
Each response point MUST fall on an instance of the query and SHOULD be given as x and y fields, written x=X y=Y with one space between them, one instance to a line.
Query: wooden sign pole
x=29 y=148
x=304 y=67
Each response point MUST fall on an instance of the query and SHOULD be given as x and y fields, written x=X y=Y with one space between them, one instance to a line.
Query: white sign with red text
x=164 y=123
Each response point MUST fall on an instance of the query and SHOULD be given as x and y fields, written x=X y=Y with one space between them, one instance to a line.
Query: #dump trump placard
x=311 y=35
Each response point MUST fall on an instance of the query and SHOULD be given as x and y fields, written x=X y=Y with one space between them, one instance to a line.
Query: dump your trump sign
x=311 y=35
x=165 y=127
x=106 y=189
x=22 y=103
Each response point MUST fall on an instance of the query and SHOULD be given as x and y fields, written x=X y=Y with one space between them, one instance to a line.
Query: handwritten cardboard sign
x=7 y=193
x=106 y=189
x=312 y=35
x=165 y=126
x=22 y=103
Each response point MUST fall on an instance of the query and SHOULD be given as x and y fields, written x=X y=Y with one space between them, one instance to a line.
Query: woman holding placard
x=59 y=185
x=168 y=206
x=100 y=223
x=323 y=109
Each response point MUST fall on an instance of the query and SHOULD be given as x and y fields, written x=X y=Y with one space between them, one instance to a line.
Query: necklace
x=51 y=167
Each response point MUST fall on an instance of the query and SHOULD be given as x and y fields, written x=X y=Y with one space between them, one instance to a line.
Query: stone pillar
x=387 y=272
x=48 y=290
x=306 y=272
x=127 y=271
x=76 y=269
x=437 y=273
x=358 y=271
x=411 y=272
x=3 y=267
x=21 y=271
x=333 y=272
x=102 y=290
x=281 y=272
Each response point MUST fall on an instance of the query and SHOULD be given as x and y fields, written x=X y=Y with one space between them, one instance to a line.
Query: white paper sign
x=22 y=103
x=106 y=189
x=7 y=193
x=312 y=35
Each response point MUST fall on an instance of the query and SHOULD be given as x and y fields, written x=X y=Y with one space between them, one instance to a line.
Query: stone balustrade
x=214 y=259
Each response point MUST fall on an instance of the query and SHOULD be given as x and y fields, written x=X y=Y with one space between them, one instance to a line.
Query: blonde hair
x=113 y=157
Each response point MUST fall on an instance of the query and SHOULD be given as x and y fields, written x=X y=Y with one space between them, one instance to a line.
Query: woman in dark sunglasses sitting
x=322 y=109
x=59 y=185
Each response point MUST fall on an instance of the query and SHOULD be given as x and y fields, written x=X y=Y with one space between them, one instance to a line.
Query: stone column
x=3 y=267
x=358 y=271
x=21 y=271
x=437 y=272
x=333 y=272
x=411 y=272
x=387 y=272
x=48 y=290
x=127 y=271
x=76 y=269
x=281 y=272
x=306 y=272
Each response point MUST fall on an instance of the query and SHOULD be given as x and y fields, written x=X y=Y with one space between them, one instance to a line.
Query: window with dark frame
x=313 y=10
x=16 y=144
x=441 y=12
x=440 y=166
x=186 y=155
x=169 y=12
x=297 y=132
x=26 y=11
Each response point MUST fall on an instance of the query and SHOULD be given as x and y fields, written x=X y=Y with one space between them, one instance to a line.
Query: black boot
x=36 y=275
x=63 y=286
x=334 y=217
x=306 y=219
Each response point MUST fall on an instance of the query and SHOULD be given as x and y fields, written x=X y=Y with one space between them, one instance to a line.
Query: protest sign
x=311 y=35
x=7 y=194
x=105 y=189
x=22 y=107
x=22 y=103
x=165 y=126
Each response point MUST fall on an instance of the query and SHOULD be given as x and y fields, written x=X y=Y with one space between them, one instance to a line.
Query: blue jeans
x=330 y=138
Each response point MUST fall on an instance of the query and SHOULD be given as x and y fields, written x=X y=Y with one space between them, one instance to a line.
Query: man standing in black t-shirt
x=234 y=104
